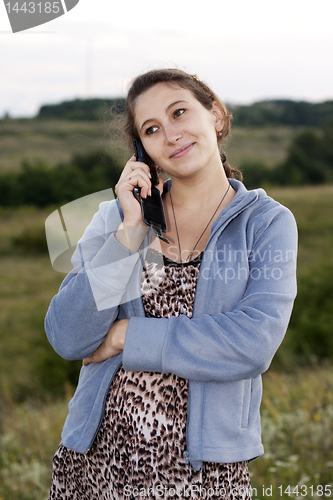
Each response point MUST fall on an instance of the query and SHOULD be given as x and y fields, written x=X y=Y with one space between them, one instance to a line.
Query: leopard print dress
x=139 y=449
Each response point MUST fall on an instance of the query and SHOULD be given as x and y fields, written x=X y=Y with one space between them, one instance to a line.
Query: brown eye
x=179 y=112
x=151 y=130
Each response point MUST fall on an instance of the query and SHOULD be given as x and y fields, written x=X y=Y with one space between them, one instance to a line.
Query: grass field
x=53 y=141
x=267 y=145
x=312 y=207
x=48 y=141
x=297 y=409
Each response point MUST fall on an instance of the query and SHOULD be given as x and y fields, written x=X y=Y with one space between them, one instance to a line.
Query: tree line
x=82 y=109
x=259 y=114
x=283 y=112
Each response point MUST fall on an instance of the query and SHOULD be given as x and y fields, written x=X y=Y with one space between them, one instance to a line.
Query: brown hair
x=199 y=89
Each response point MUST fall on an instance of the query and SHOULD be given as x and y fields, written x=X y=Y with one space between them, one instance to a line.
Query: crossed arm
x=112 y=345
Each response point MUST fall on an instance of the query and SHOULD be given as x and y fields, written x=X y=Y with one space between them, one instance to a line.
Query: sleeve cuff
x=144 y=342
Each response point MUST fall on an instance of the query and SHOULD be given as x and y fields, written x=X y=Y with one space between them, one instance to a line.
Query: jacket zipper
x=186 y=457
x=103 y=406
x=229 y=219
x=186 y=453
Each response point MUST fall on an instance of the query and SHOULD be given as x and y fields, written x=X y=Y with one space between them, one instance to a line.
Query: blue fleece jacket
x=243 y=301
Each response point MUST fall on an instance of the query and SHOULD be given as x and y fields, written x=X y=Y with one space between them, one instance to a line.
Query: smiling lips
x=182 y=151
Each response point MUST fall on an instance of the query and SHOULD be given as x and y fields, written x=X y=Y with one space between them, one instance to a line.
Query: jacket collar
x=242 y=199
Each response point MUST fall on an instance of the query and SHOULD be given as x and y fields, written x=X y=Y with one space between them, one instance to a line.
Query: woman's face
x=177 y=132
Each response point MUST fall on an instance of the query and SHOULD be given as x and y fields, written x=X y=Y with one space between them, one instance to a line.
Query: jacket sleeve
x=87 y=303
x=232 y=345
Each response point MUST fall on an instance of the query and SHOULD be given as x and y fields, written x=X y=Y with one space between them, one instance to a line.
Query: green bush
x=40 y=185
x=256 y=174
x=309 y=338
x=31 y=240
x=51 y=373
x=309 y=160
x=10 y=190
x=36 y=183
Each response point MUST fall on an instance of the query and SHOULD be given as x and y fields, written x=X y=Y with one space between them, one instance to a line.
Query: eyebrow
x=166 y=110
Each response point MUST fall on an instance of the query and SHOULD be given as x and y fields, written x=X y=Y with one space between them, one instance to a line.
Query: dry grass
x=51 y=141
x=297 y=428
x=267 y=145
x=297 y=423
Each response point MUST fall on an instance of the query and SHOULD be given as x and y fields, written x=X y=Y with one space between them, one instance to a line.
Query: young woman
x=174 y=336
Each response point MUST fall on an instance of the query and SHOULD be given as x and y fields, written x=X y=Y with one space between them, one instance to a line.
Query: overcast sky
x=246 y=50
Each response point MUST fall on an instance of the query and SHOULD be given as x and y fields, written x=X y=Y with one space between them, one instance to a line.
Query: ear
x=219 y=116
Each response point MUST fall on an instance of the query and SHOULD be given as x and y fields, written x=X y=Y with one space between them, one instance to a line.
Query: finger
x=96 y=357
x=135 y=168
x=135 y=175
x=100 y=355
x=140 y=180
x=133 y=165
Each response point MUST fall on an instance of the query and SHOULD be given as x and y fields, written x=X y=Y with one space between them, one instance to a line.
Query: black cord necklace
x=195 y=246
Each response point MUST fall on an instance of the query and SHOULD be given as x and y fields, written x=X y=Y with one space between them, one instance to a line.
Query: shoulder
x=270 y=212
x=259 y=204
x=262 y=212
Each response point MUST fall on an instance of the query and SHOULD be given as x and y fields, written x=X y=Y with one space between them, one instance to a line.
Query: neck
x=199 y=192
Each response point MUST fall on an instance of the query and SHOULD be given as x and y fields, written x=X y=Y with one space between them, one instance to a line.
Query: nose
x=172 y=134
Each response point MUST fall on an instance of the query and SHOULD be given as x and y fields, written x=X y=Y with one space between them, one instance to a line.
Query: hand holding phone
x=151 y=206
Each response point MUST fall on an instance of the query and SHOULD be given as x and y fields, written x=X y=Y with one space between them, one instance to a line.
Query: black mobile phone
x=152 y=206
